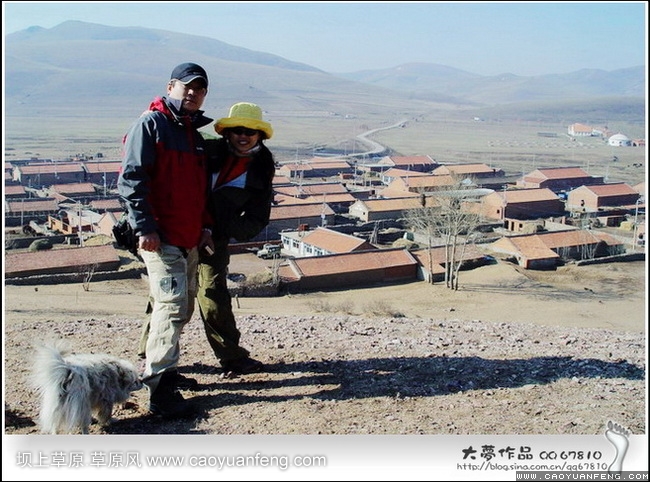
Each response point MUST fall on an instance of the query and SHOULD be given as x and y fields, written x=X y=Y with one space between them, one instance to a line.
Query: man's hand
x=149 y=242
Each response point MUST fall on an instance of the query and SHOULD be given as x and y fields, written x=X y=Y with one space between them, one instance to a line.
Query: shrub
x=382 y=308
x=260 y=278
x=320 y=306
x=40 y=245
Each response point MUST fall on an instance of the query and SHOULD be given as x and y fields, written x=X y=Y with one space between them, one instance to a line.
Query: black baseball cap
x=188 y=71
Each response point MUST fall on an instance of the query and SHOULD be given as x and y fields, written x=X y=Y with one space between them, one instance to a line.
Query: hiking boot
x=171 y=405
x=166 y=401
x=185 y=383
x=242 y=366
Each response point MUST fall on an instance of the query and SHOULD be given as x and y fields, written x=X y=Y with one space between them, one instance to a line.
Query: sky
x=486 y=38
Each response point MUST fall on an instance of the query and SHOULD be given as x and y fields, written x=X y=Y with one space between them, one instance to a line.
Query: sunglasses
x=240 y=131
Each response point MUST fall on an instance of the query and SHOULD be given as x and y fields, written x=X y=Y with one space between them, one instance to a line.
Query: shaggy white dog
x=75 y=387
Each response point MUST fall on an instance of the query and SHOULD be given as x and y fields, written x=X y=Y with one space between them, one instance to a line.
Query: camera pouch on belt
x=124 y=235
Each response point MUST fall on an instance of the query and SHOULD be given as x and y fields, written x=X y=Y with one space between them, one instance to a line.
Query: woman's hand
x=205 y=243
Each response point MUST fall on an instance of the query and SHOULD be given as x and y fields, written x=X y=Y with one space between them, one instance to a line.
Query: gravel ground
x=455 y=371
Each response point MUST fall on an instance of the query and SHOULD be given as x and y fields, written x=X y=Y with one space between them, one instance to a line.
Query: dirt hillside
x=512 y=351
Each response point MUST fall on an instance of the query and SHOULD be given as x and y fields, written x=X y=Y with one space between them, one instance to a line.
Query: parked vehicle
x=269 y=251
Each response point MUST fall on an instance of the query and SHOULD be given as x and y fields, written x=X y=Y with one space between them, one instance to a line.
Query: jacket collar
x=172 y=108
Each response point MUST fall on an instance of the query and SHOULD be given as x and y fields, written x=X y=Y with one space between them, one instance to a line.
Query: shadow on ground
x=379 y=377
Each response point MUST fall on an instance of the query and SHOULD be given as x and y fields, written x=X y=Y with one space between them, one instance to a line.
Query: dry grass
x=348 y=307
x=447 y=137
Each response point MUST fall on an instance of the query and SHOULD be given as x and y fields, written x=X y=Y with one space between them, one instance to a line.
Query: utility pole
x=636 y=228
x=79 y=228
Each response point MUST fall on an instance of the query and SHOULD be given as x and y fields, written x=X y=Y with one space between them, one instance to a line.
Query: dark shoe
x=166 y=401
x=185 y=383
x=242 y=366
x=170 y=406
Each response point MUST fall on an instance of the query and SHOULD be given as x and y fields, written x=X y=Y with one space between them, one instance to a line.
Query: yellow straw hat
x=244 y=114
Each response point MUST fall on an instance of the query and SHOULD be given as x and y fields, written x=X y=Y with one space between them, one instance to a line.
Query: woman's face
x=243 y=139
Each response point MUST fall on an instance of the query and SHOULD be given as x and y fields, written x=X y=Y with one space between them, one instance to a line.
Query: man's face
x=192 y=94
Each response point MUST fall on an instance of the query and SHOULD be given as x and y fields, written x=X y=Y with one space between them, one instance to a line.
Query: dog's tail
x=62 y=387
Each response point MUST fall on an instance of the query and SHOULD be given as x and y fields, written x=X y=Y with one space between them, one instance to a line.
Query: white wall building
x=619 y=140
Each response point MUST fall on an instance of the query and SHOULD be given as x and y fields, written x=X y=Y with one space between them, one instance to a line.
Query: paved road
x=376 y=149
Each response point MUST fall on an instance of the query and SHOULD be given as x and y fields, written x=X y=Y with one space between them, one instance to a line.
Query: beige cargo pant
x=172 y=291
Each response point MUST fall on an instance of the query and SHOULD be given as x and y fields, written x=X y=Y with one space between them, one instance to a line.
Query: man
x=163 y=183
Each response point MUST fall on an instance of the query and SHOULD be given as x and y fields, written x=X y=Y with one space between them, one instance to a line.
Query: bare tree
x=420 y=221
x=589 y=245
x=444 y=215
x=565 y=253
x=87 y=272
x=275 y=271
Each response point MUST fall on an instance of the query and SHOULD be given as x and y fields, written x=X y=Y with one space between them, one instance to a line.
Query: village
x=353 y=210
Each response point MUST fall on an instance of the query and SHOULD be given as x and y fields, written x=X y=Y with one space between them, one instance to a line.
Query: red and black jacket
x=163 y=181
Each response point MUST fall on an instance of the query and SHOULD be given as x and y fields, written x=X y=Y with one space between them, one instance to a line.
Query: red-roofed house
x=418 y=184
x=304 y=190
x=378 y=209
x=280 y=199
x=335 y=195
x=106 y=222
x=22 y=211
x=15 y=191
x=339 y=202
x=546 y=250
x=71 y=220
x=328 y=167
x=321 y=242
x=59 y=261
x=522 y=204
x=640 y=188
x=592 y=199
x=558 y=179
x=475 y=170
x=351 y=269
x=281 y=180
x=294 y=170
x=433 y=261
x=79 y=191
x=103 y=173
x=106 y=204
x=582 y=130
x=291 y=217
x=48 y=173
x=411 y=163
x=316 y=167
x=393 y=173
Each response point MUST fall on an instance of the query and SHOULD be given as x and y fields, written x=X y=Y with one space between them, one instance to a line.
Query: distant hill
x=86 y=69
x=432 y=81
x=116 y=69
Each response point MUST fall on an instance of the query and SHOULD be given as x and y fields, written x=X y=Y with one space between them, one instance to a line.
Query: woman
x=241 y=170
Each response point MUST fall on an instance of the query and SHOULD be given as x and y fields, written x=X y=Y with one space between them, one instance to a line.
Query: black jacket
x=239 y=213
